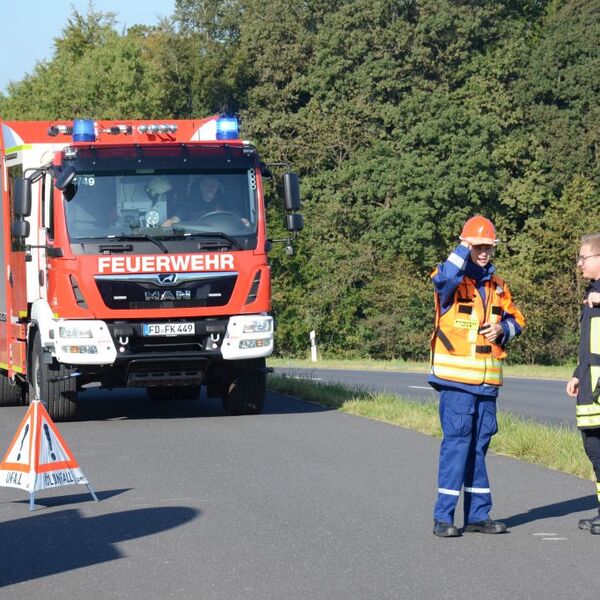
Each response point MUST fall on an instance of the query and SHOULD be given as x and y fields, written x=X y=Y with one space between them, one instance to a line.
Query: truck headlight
x=258 y=326
x=75 y=331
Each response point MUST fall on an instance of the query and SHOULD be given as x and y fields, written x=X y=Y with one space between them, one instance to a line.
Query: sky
x=29 y=27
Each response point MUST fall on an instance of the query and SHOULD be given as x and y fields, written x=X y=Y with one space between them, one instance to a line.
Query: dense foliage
x=403 y=117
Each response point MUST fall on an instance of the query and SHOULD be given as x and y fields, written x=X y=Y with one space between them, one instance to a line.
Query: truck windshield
x=161 y=204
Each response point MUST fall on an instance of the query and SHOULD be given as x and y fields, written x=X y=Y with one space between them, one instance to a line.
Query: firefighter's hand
x=171 y=221
x=491 y=331
x=593 y=299
x=572 y=387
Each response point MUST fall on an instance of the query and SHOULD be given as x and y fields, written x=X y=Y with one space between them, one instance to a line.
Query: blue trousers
x=468 y=423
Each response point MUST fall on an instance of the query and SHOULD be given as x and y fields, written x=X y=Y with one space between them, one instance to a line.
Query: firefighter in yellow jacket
x=475 y=319
x=585 y=383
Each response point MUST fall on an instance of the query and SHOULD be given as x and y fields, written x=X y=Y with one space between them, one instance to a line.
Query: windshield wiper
x=108 y=248
x=140 y=236
x=217 y=235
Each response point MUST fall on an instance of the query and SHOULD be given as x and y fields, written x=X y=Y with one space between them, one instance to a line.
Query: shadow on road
x=558 y=509
x=100 y=405
x=78 y=498
x=46 y=544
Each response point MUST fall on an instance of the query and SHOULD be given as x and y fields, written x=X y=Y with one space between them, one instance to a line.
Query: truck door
x=4 y=245
x=13 y=288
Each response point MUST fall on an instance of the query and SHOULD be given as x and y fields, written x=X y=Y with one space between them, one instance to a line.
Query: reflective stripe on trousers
x=468 y=422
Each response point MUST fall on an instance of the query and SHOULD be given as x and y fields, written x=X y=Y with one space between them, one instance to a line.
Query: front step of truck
x=164 y=373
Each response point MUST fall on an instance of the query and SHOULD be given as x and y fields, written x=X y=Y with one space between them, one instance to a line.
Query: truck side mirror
x=20 y=229
x=22 y=197
x=64 y=177
x=294 y=222
x=291 y=190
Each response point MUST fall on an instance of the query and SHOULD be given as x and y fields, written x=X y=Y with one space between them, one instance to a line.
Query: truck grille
x=166 y=290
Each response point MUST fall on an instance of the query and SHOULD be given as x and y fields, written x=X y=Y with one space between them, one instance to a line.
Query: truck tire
x=173 y=392
x=245 y=392
x=10 y=394
x=52 y=384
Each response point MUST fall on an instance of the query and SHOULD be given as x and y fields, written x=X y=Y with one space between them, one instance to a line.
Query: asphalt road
x=298 y=503
x=541 y=400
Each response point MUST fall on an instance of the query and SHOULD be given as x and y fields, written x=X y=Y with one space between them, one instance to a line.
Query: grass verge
x=563 y=372
x=555 y=447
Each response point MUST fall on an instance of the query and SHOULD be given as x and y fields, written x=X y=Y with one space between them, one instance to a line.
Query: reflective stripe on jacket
x=588 y=369
x=458 y=351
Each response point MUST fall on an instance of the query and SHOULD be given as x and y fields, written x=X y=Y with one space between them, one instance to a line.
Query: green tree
x=403 y=118
x=94 y=72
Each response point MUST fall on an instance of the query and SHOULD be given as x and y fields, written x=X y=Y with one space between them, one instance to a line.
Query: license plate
x=169 y=329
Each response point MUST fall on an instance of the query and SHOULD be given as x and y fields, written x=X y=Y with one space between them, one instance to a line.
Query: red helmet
x=479 y=230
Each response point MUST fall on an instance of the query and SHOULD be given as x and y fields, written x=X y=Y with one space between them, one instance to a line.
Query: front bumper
x=119 y=343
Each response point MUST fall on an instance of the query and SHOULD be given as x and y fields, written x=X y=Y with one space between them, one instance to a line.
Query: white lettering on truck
x=165 y=264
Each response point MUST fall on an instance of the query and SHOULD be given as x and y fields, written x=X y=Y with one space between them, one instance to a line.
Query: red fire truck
x=135 y=254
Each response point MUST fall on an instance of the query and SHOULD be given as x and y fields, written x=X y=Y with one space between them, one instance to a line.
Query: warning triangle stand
x=38 y=457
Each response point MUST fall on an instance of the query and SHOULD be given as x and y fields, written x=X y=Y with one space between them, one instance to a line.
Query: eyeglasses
x=582 y=259
x=480 y=248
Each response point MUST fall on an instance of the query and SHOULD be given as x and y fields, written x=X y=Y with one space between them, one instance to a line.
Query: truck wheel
x=10 y=394
x=173 y=392
x=245 y=393
x=52 y=384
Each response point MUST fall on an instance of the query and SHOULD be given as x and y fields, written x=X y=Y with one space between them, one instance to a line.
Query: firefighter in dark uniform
x=585 y=383
x=475 y=319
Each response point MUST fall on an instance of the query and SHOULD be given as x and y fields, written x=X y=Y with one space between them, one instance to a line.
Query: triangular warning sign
x=38 y=457
x=18 y=456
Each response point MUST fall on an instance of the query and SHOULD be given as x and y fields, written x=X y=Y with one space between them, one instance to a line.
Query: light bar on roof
x=154 y=128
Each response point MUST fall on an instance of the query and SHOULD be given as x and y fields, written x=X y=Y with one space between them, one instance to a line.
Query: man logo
x=167 y=295
x=167 y=278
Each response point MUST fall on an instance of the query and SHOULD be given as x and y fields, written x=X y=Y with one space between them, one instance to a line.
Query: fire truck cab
x=135 y=255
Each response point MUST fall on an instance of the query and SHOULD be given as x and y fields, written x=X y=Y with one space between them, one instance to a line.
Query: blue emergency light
x=83 y=130
x=227 y=128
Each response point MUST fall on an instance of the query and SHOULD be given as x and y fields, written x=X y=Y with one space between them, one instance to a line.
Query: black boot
x=444 y=529
x=489 y=526
x=588 y=524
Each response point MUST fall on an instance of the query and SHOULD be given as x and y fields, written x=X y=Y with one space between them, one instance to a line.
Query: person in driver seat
x=206 y=197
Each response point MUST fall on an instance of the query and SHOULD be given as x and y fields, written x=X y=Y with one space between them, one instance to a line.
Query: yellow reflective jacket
x=458 y=351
